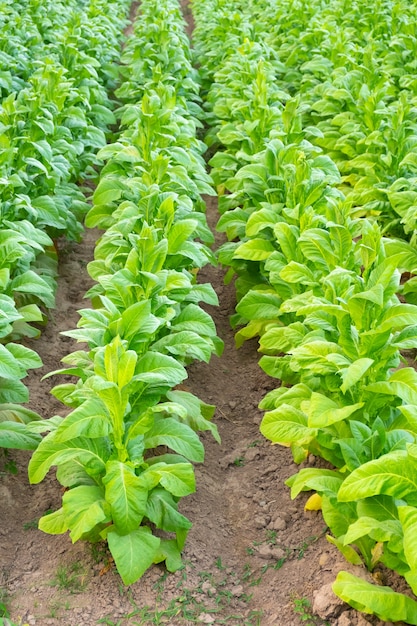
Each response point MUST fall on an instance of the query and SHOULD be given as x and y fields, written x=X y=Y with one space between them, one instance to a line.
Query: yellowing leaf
x=313 y=503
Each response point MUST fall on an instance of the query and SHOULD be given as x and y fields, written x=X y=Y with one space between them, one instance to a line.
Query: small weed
x=72 y=578
x=3 y=603
x=302 y=607
x=254 y=443
x=239 y=461
x=271 y=537
x=99 y=552
x=191 y=603
x=218 y=563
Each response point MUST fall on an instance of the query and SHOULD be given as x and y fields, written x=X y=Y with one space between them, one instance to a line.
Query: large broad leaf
x=155 y=368
x=30 y=282
x=179 y=437
x=126 y=494
x=408 y=519
x=16 y=435
x=322 y=480
x=26 y=357
x=179 y=233
x=316 y=246
x=54 y=523
x=84 y=508
x=13 y=391
x=108 y=190
x=323 y=411
x=133 y=553
x=398 y=316
x=193 y=318
x=88 y=420
x=16 y=413
x=386 y=604
x=90 y=452
x=9 y=366
x=177 y=478
x=354 y=373
x=185 y=344
x=260 y=305
x=287 y=425
x=394 y=474
x=254 y=250
x=402 y=383
x=379 y=530
x=138 y=319
x=162 y=510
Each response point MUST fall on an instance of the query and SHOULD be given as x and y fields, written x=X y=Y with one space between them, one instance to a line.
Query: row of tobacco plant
x=125 y=451
x=54 y=116
x=313 y=105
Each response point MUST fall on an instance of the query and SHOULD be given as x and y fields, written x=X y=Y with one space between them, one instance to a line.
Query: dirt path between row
x=253 y=557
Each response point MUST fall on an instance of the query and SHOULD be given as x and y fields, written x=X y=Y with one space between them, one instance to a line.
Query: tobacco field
x=208 y=312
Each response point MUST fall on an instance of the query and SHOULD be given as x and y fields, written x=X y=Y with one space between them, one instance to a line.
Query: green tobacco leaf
x=179 y=233
x=16 y=413
x=394 y=474
x=259 y=305
x=88 y=420
x=133 y=553
x=193 y=318
x=398 y=316
x=379 y=530
x=287 y=425
x=155 y=368
x=402 y=383
x=54 y=523
x=323 y=481
x=348 y=552
x=126 y=495
x=30 y=282
x=171 y=554
x=84 y=509
x=386 y=604
x=89 y=452
x=16 y=435
x=408 y=519
x=137 y=318
x=162 y=510
x=179 y=437
x=254 y=250
x=13 y=391
x=353 y=374
x=323 y=411
x=26 y=357
x=9 y=366
x=108 y=190
x=185 y=344
x=177 y=478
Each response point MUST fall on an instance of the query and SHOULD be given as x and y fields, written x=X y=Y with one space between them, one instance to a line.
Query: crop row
x=124 y=452
x=349 y=70
x=54 y=115
x=319 y=283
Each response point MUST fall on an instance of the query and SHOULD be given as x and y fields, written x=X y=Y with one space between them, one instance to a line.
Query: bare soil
x=253 y=556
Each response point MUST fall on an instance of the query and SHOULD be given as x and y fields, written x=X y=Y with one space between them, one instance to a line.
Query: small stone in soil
x=326 y=604
x=237 y=591
x=278 y=524
x=206 y=618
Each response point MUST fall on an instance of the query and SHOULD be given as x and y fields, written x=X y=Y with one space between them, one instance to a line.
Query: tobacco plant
x=125 y=451
x=315 y=281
